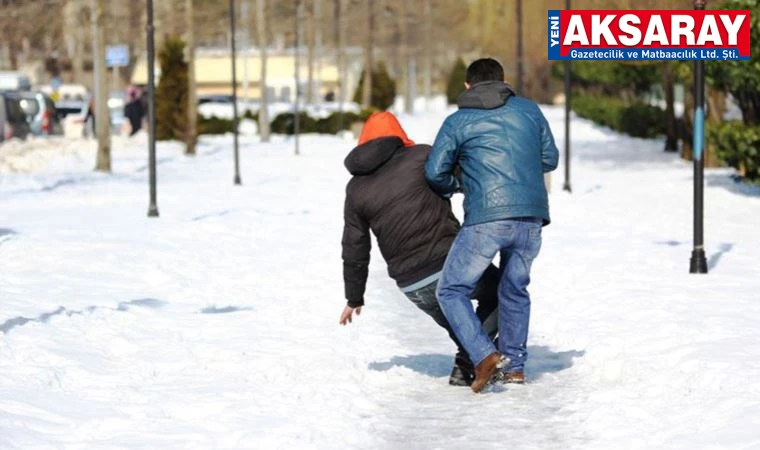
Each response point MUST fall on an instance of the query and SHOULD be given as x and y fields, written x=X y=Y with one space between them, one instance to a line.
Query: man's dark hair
x=484 y=69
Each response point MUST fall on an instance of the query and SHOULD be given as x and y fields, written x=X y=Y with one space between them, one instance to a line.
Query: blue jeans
x=518 y=242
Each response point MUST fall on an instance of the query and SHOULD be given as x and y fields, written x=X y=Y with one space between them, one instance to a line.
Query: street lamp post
x=234 y=94
x=698 y=262
x=150 y=32
x=568 y=94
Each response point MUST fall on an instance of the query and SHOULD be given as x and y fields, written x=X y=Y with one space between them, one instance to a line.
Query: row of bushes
x=737 y=145
x=284 y=123
x=636 y=119
x=216 y=125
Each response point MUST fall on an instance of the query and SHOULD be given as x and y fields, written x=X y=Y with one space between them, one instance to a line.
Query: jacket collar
x=486 y=95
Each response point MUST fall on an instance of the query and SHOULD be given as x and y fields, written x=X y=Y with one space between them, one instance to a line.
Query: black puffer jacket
x=389 y=195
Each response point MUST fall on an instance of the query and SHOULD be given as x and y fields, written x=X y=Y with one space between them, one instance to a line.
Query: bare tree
x=319 y=21
x=246 y=44
x=428 y=54
x=102 y=117
x=261 y=31
x=408 y=56
x=75 y=42
x=192 y=112
x=368 y=54
x=311 y=33
x=340 y=44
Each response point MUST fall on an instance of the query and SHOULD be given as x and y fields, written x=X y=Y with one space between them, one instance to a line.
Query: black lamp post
x=234 y=94
x=150 y=32
x=698 y=262
x=568 y=70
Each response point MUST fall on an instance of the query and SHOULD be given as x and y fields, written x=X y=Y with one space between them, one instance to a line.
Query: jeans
x=486 y=294
x=518 y=242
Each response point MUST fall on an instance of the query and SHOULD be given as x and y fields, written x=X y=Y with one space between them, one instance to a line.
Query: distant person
x=133 y=109
x=89 y=116
x=414 y=228
x=503 y=145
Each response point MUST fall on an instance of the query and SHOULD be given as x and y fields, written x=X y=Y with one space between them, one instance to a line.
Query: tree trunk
x=310 y=42
x=245 y=43
x=406 y=60
x=102 y=116
x=368 y=56
x=77 y=59
x=519 y=50
x=318 y=23
x=135 y=40
x=297 y=53
x=192 y=111
x=261 y=31
x=340 y=23
x=428 y=71
x=671 y=129
x=5 y=52
x=716 y=109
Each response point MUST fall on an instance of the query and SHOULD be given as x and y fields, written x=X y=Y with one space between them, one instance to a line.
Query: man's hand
x=346 y=316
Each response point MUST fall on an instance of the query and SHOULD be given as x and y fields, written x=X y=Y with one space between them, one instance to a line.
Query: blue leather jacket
x=503 y=145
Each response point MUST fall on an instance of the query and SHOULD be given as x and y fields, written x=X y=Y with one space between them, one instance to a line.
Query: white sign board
x=117 y=55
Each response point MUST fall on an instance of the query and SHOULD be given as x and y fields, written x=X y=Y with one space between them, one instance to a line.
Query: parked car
x=13 y=123
x=65 y=108
x=42 y=115
x=69 y=98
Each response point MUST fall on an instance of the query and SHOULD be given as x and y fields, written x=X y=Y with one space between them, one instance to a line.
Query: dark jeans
x=487 y=295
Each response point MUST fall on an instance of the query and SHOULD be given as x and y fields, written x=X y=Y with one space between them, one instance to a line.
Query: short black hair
x=484 y=69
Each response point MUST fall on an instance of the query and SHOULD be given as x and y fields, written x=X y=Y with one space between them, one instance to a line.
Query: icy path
x=216 y=325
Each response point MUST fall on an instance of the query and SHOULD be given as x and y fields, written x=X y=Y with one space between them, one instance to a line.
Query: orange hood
x=383 y=124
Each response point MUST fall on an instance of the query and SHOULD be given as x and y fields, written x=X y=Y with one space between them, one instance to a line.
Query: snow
x=215 y=326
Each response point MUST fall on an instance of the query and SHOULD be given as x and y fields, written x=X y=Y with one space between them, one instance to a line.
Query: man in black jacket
x=414 y=226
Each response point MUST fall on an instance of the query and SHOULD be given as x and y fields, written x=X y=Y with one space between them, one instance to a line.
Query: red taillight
x=8 y=131
x=46 y=116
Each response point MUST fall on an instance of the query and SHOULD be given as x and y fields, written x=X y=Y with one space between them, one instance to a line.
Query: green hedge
x=214 y=125
x=285 y=124
x=332 y=124
x=737 y=145
x=637 y=119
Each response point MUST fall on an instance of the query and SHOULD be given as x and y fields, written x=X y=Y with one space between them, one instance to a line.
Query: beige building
x=214 y=76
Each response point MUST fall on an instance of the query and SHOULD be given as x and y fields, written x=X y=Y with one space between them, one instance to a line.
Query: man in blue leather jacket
x=503 y=145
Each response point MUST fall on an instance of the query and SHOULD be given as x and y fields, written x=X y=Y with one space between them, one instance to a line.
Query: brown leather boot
x=513 y=378
x=486 y=370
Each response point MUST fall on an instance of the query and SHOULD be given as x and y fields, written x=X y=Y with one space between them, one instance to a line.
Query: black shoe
x=462 y=374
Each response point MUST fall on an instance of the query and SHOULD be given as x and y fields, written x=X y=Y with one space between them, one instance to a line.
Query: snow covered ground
x=215 y=326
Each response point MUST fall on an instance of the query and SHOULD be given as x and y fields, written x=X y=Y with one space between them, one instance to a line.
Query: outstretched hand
x=347 y=315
